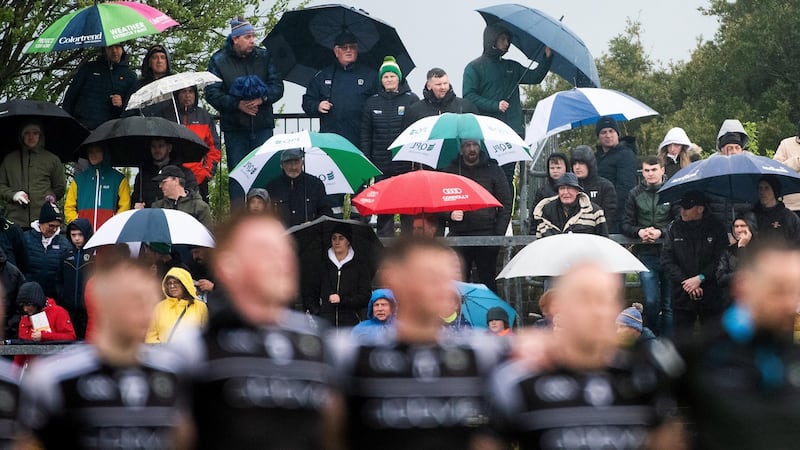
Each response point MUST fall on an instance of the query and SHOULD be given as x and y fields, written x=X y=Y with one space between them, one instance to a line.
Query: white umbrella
x=554 y=255
x=167 y=226
x=162 y=89
x=578 y=107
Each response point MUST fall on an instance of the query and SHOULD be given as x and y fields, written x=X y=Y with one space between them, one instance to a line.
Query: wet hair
x=436 y=72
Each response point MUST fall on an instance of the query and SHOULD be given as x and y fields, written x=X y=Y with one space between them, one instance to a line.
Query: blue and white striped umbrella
x=577 y=107
x=167 y=226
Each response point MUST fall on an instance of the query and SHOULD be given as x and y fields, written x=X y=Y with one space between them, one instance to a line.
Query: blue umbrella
x=531 y=30
x=477 y=300
x=733 y=177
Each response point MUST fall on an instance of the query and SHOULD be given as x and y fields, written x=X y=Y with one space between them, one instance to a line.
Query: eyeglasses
x=348 y=47
x=172 y=283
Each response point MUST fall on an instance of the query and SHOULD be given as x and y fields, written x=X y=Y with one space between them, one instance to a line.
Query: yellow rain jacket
x=166 y=316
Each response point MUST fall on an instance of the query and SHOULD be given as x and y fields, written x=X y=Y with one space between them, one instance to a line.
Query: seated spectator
x=145 y=190
x=46 y=247
x=673 y=152
x=180 y=308
x=258 y=201
x=497 y=322
x=599 y=190
x=32 y=300
x=381 y=311
x=557 y=165
x=745 y=232
x=426 y=225
x=774 y=219
x=176 y=196
x=570 y=212
x=76 y=268
x=99 y=192
x=631 y=331
x=732 y=140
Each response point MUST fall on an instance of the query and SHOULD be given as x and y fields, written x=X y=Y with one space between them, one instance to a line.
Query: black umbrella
x=62 y=133
x=302 y=41
x=128 y=140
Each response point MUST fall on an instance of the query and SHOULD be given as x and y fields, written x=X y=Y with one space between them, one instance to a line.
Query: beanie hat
x=31 y=292
x=390 y=65
x=345 y=230
x=49 y=213
x=496 y=313
x=631 y=317
x=774 y=183
x=606 y=122
x=240 y=27
x=730 y=138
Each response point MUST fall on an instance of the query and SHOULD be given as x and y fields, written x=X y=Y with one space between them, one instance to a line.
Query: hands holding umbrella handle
x=21 y=197
x=116 y=100
x=250 y=107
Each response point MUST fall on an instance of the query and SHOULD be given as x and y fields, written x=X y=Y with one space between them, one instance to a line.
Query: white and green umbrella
x=435 y=141
x=328 y=156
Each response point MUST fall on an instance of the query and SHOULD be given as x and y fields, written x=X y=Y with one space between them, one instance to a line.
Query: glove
x=49 y=198
x=21 y=197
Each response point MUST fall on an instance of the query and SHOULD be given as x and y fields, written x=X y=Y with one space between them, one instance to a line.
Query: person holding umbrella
x=99 y=192
x=296 y=195
x=30 y=175
x=145 y=190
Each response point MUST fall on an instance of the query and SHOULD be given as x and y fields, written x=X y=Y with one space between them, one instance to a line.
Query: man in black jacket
x=600 y=190
x=296 y=195
x=145 y=190
x=437 y=98
x=616 y=162
x=476 y=165
x=693 y=246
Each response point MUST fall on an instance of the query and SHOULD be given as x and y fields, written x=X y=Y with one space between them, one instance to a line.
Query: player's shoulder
x=68 y=364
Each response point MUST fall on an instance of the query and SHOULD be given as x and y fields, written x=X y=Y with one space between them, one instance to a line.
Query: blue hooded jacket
x=372 y=329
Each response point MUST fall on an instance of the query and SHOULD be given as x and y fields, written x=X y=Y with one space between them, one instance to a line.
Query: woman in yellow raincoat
x=180 y=309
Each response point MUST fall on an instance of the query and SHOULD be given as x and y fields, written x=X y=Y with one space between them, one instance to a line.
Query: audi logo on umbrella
x=451 y=191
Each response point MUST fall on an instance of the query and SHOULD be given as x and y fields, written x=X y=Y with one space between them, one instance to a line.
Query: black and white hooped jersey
x=76 y=401
x=613 y=409
x=419 y=397
x=261 y=387
x=9 y=404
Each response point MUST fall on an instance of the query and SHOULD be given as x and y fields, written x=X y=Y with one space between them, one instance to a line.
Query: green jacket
x=191 y=204
x=490 y=78
x=643 y=209
x=37 y=172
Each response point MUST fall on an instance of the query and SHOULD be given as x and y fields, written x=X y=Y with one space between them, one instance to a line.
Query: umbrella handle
x=525 y=72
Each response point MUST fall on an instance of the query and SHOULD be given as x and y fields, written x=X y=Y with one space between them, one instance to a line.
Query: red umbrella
x=424 y=191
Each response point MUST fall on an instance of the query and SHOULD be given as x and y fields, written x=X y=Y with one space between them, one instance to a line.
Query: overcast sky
x=448 y=34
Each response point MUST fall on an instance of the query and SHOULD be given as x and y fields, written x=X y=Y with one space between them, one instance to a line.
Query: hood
x=41 y=144
x=196 y=99
x=584 y=154
x=427 y=94
x=379 y=294
x=184 y=277
x=733 y=126
x=490 y=35
x=147 y=72
x=750 y=220
x=31 y=292
x=676 y=136
x=557 y=155
x=83 y=225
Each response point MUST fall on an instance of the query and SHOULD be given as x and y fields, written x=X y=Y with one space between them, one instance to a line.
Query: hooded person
x=381 y=311
x=732 y=132
x=557 y=165
x=773 y=218
x=600 y=191
x=155 y=64
x=99 y=192
x=76 y=268
x=732 y=139
x=30 y=175
x=745 y=234
x=631 y=330
x=673 y=152
x=788 y=153
x=179 y=310
x=32 y=300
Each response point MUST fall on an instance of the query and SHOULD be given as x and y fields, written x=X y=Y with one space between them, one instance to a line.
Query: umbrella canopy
x=424 y=191
x=531 y=30
x=552 y=256
x=62 y=133
x=167 y=226
x=575 y=108
x=436 y=141
x=128 y=140
x=162 y=89
x=734 y=177
x=328 y=156
x=101 y=25
x=477 y=300
x=301 y=42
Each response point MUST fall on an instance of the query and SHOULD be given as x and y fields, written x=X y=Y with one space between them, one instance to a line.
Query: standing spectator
x=46 y=247
x=732 y=139
x=180 y=309
x=258 y=201
x=255 y=264
x=497 y=321
x=616 y=162
x=197 y=119
x=557 y=165
x=30 y=175
x=201 y=272
x=492 y=83
x=570 y=212
x=789 y=153
x=97 y=193
x=155 y=65
x=647 y=218
x=599 y=190
x=31 y=300
x=173 y=184
x=438 y=98
x=745 y=232
x=381 y=123
x=11 y=242
x=76 y=268
x=145 y=190
x=673 y=152
x=101 y=88
x=774 y=219
x=245 y=114
x=297 y=196
x=11 y=278
x=693 y=246
x=476 y=165
x=381 y=311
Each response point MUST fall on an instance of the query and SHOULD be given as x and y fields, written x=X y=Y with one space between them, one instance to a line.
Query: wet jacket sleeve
x=536 y=75
x=71 y=203
x=668 y=260
x=74 y=89
x=60 y=324
x=470 y=88
x=123 y=196
x=366 y=130
x=216 y=95
x=313 y=96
